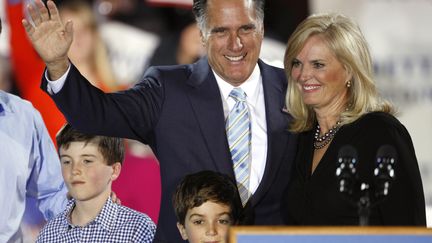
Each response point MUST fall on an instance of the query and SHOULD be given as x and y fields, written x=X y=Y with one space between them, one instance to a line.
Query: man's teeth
x=234 y=59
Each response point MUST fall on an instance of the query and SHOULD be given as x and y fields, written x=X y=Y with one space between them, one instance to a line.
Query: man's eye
x=247 y=30
x=219 y=32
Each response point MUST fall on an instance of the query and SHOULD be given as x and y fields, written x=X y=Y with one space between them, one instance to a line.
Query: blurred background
x=116 y=40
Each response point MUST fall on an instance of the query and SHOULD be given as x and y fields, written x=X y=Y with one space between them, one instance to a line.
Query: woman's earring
x=348 y=84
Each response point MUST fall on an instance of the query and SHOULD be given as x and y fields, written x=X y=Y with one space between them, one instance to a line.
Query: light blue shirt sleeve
x=29 y=165
x=45 y=182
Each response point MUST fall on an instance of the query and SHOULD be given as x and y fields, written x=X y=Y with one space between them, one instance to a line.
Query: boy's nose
x=76 y=168
x=211 y=230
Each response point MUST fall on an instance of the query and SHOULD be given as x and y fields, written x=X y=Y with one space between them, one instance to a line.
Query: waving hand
x=49 y=36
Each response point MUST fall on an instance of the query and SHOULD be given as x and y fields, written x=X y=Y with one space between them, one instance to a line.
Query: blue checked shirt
x=115 y=223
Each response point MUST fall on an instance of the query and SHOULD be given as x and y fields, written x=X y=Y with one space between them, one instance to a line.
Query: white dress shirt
x=255 y=101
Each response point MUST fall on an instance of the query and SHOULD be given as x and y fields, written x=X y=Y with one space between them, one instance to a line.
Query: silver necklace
x=321 y=141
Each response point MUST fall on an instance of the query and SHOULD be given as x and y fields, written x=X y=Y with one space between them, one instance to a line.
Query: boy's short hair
x=198 y=188
x=111 y=148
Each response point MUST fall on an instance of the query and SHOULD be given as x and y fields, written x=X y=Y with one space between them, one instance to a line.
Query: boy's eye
x=86 y=161
x=65 y=162
x=225 y=221
x=198 y=222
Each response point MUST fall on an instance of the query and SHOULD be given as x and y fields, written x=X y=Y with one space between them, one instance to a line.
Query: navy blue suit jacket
x=178 y=111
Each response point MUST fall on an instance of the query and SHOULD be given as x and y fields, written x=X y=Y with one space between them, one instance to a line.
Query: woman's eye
x=318 y=65
x=295 y=63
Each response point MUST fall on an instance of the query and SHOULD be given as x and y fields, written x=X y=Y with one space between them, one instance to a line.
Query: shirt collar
x=250 y=86
x=65 y=216
x=105 y=218
x=108 y=214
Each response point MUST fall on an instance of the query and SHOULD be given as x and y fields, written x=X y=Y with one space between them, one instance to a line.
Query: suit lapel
x=277 y=125
x=206 y=102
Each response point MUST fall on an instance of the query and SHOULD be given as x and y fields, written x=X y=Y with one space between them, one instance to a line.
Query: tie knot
x=238 y=94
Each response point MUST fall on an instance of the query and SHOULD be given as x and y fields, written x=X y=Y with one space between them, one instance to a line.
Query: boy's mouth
x=77 y=182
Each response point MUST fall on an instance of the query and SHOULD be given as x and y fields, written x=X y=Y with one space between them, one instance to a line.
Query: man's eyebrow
x=218 y=29
x=221 y=29
x=248 y=26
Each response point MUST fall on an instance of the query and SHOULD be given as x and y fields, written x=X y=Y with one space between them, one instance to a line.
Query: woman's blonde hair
x=345 y=39
x=99 y=59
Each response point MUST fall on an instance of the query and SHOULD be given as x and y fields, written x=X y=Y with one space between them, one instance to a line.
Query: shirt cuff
x=55 y=86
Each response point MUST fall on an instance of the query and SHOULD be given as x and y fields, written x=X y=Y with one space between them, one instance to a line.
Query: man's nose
x=235 y=42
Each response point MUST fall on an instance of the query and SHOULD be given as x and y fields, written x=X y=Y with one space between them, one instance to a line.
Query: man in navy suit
x=180 y=111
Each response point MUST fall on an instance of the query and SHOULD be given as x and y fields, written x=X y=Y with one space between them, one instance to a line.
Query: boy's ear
x=182 y=231
x=116 y=170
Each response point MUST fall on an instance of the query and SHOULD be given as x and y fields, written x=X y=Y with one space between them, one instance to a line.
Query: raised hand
x=49 y=36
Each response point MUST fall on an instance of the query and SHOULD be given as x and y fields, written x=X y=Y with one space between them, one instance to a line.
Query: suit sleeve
x=130 y=114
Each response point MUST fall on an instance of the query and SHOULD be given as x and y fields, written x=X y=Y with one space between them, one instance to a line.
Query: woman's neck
x=327 y=121
x=327 y=117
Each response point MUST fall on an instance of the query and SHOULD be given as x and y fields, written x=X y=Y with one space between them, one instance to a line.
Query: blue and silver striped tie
x=238 y=128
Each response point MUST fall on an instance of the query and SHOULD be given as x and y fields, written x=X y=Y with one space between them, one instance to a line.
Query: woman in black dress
x=333 y=100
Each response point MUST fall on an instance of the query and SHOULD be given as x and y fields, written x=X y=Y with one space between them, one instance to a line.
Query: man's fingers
x=28 y=27
x=34 y=14
x=43 y=11
x=53 y=11
x=69 y=28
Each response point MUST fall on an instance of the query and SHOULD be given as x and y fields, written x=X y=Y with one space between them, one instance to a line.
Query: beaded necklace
x=321 y=141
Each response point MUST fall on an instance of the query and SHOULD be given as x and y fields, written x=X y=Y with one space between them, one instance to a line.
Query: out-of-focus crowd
x=114 y=42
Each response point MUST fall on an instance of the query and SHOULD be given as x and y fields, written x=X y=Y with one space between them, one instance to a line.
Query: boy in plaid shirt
x=89 y=165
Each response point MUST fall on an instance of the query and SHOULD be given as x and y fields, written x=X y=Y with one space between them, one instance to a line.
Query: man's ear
x=116 y=170
x=203 y=42
x=182 y=231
